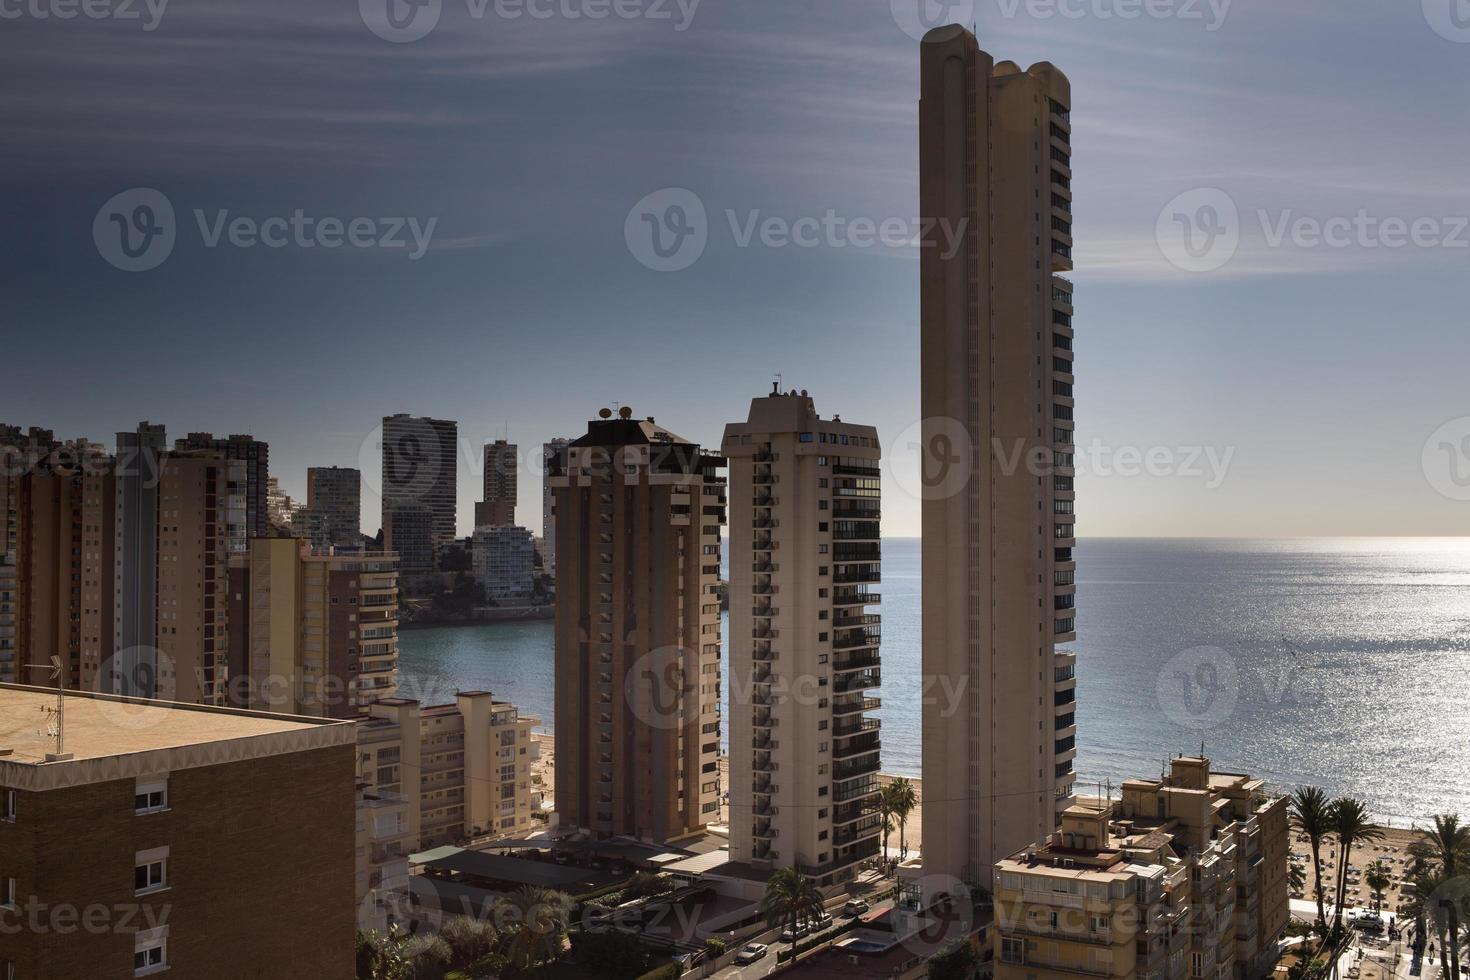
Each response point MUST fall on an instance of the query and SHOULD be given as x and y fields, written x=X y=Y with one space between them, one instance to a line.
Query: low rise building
x=1185 y=876
x=464 y=768
x=202 y=841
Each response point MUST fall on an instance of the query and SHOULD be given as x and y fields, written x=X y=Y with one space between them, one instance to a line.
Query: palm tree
x=905 y=799
x=887 y=808
x=791 y=899
x=1296 y=878
x=1378 y=878
x=1448 y=846
x=535 y=924
x=1311 y=809
x=1350 y=823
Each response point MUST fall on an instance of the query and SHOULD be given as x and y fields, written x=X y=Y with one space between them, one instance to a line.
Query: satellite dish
x=605 y=413
x=625 y=412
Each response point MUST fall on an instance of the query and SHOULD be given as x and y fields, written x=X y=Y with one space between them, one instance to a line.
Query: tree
x=791 y=898
x=535 y=925
x=1349 y=821
x=886 y=807
x=471 y=941
x=1444 y=860
x=1378 y=879
x=905 y=799
x=1296 y=878
x=955 y=962
x=428 y=957
x=1311 y=809
x=384 y=956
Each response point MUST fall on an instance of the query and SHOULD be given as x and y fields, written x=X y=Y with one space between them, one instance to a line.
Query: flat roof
x=100 y=727
x=499 y=868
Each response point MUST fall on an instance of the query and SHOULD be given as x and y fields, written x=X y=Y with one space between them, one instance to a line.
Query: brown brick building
x=206 y=842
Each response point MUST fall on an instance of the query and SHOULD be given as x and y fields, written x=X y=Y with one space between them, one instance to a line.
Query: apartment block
x=408 y=532
x=639 y=514
x=550 y=453
x=997 y=438
x=420 y=468
x=502 y=476
x=255 y=455
x=312 y=632
x=333 y=507
x=1185 y=876
x=805 y=560
x=159 y=832
x=464 y=769
x=505 y=562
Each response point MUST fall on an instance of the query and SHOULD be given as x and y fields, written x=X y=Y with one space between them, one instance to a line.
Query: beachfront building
x=996 y=393
x=462 y=769
x=804 y=564
x=1184 y=876
x=311 y=632
x=161 y=838
x=639 y=514
x=504 y=559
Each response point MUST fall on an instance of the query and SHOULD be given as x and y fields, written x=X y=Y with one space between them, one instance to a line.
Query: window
x=1012 y=950
x=7 y=892
x=8 y=806
x=150 y=870
x=150 y=951
x=151 y=794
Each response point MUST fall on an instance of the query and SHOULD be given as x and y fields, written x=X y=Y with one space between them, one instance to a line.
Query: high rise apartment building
x=996 y=396
x=333 y=507
x=1185 y=876
x=464 y=769
x=408 y=532
x=504 y=559
x=502 y=475
x=256 y=456
x=162 y=829
x=805 y=504
x=420 y=468
x=639 y=512
x=312 y=633
x=550 y=453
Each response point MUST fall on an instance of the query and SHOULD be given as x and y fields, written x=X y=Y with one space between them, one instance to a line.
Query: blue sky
x=1316 y=372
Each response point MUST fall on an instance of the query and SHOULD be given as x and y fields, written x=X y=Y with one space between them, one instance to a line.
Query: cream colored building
x=1184 y=877
x=805 y=499
x=312 y=633
x=463 y=768
x=997 y=437
x=638 y=518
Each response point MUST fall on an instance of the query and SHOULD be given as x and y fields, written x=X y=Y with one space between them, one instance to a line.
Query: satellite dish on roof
x=605 y=413
x=625 y=412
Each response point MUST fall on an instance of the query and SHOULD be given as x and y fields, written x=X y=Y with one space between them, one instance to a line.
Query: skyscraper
x=550 y=453
x=256 y=456
x=333 y=507
x=996 y=355
x=498 y=509
x=639 y=511
x=420 y=458
x=804 y=553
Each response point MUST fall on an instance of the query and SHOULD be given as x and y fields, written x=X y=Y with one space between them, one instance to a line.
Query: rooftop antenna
x=56 y=717
x=780 y=380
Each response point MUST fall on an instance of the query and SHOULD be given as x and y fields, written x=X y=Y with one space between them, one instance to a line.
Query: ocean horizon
x=1337 y=662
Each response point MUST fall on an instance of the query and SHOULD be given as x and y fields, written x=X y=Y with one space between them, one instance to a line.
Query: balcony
x=861 y=681
x=861 y=766
x=856 y=705
x=857 y=598
x=857 y=746
x=857 y=661
x=869 y=636
x=855 y=726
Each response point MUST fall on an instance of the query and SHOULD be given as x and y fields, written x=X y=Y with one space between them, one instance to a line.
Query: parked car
x=751 y=953
x=802 y=930
x=855 y=907
x=823 y=921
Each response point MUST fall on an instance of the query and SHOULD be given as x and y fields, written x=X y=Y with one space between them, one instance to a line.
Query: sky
x=1263 y=381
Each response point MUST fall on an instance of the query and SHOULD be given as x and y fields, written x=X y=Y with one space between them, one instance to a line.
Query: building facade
x=333 y=507
x=255 y=455
x=420 y=469
x=160 y=829
x=996 y=396
x=502 y=476
x=312 y=633
x=805 y=554
x=408 y=532
x=639 y=514
x=505 y=562
x=550 y=453
x=1184 y=877
x=464 y=769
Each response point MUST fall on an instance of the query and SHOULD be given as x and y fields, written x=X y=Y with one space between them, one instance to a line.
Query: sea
x=1342 y=663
